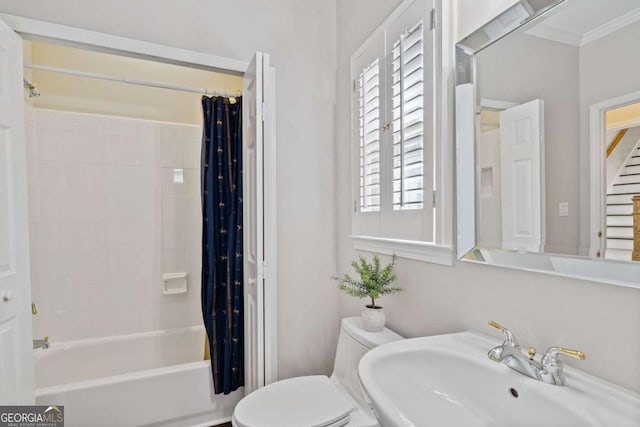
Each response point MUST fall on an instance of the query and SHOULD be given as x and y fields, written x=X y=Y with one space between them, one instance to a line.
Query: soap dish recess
x=174 y=283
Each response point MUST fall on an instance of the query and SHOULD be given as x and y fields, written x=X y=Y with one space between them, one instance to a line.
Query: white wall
x=539 y=68
x=601 y=320
x=301 y=37
x=114 y=203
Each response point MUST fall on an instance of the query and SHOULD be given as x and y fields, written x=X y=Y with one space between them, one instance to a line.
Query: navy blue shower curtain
x=222 y=281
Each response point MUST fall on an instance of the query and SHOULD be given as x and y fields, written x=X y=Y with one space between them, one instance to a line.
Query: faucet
x=43 y=343
x=508 y=347
x=552 y=366
x=548 y=370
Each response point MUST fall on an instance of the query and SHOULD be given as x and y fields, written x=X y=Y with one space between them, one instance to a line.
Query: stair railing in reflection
x=635 y=256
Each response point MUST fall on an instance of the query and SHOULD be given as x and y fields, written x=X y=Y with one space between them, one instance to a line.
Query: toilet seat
x=312 y=401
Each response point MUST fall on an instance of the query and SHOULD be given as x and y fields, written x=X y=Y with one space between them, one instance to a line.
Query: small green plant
x=373 y=282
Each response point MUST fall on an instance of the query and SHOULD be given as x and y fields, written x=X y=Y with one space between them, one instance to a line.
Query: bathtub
x=146 y=379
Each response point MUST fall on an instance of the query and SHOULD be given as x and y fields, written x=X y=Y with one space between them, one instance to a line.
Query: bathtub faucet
x=44 y=343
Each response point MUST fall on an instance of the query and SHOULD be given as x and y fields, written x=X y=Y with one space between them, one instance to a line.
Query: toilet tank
x=353 y=343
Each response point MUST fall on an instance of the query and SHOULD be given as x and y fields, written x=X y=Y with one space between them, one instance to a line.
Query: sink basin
x=448 y=380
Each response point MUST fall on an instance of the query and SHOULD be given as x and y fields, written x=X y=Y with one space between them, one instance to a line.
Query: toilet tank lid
x=353 y=327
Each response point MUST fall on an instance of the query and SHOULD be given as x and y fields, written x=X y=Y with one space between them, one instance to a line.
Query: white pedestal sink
x=448 y=380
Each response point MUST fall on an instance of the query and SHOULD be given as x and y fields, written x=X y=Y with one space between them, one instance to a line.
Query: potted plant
x=373 y=281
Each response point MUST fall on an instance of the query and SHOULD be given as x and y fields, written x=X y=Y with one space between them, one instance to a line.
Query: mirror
x=554 y=92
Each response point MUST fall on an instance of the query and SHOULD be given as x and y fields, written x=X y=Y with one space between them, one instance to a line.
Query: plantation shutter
x=370 y=115
x=407 y=92
x=393 y=128
x=408 y=201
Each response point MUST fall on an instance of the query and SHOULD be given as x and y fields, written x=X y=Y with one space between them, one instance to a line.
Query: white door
x=259 y=226
x=16 y=367
x=522 y=161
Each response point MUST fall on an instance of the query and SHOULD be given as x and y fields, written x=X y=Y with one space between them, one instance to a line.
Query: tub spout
x=43 y=343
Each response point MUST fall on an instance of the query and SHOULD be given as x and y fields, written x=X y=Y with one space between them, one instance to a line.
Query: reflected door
x=521 y=158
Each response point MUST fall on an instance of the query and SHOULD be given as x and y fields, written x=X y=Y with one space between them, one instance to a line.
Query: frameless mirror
x=548 y=119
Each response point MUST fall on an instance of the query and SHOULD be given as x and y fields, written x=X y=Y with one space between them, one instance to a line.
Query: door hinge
x=355 y=206
x=264 y=111
x=433 y=18
x=433 y=200
x=266 y=273
x=354 y=86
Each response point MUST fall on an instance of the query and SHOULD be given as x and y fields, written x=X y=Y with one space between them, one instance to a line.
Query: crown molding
x=611 y=27
x=556 y=34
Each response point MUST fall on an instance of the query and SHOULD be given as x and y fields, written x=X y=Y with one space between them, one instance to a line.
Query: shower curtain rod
x=203 y=91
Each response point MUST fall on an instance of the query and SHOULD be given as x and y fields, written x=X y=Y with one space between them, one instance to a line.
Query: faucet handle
x=496 y=325
x=552 y=353
x=573 y=353
x=510 y=339
x=552 y=366
x=550 y=359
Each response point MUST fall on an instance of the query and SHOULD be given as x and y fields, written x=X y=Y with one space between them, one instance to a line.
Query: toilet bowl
x=318 y=400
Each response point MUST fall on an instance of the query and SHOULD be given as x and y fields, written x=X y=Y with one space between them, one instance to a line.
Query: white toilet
x=318 y=401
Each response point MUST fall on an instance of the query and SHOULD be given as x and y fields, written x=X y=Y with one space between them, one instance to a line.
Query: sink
x=448 y=380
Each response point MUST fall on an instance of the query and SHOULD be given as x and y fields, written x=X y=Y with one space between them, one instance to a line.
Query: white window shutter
x=393 y=128
x=370 y=117
x=407 y=92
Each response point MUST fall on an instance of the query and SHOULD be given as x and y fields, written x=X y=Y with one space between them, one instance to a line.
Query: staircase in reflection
x=624 y=187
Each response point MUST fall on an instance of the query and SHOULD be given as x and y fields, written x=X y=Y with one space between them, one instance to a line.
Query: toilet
x=318 y=401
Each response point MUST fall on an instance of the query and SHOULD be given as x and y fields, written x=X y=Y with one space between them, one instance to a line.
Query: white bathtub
x=153 y=378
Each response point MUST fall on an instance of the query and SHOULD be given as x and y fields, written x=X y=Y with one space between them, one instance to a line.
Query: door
x=259 y=222
x=16 y=368
x=522 y=161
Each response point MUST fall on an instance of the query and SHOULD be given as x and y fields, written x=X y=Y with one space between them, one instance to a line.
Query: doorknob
x=8 y=296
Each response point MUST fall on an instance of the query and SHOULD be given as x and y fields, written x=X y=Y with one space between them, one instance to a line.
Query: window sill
x=409 y=249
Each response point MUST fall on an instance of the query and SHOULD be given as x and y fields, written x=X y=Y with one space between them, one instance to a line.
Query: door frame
x=598 y=170
x=38 y=30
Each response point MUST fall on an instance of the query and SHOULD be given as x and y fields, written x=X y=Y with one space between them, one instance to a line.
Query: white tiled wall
x=114 y=204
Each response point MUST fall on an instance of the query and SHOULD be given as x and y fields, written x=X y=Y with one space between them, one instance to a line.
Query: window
x=393 y=132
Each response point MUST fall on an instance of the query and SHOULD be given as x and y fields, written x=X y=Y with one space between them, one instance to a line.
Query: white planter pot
x=373 y=319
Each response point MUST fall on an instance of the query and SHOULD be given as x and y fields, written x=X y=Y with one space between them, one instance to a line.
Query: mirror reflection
x=558 y=134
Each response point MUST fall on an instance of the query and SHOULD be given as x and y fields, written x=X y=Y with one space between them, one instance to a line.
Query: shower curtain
x=222 y=281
